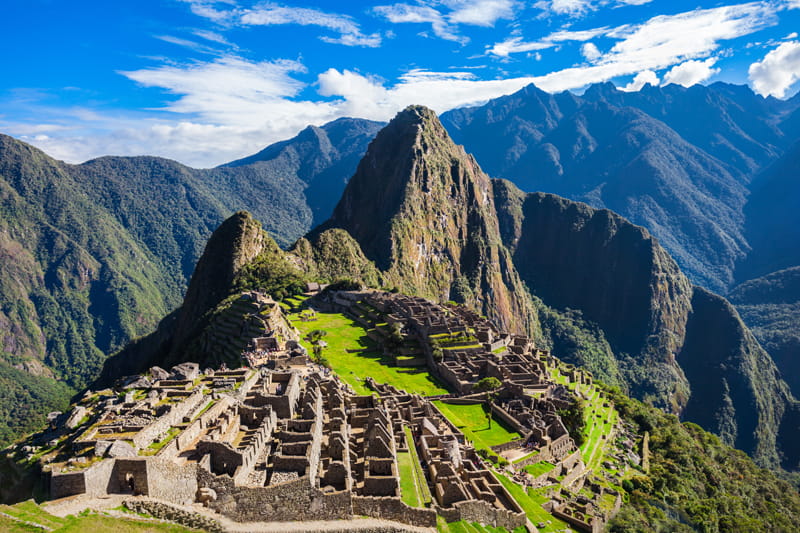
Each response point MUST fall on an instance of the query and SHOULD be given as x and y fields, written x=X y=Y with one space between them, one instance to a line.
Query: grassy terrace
x=13 y=520
x=472 y=421
x=531 y=503
x=475 y=527
x=354 y=357
x=599 y=422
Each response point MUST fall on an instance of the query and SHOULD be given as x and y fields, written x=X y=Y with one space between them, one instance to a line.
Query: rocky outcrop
x=422 y=210
x=575 y=257
x=736 y=389
x=333 y=255
x=235 y=243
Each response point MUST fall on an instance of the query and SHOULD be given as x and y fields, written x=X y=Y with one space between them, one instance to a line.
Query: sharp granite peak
x=421 y=208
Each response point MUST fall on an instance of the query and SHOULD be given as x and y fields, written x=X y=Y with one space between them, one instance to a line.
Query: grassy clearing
x=537 y=469
x=354 y=357
x=472 y=421
x=419 y=476
x=29 y=511
x=532 y=505
x=409 y=491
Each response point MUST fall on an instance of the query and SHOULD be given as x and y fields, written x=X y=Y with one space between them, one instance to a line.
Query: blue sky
x=205 y=82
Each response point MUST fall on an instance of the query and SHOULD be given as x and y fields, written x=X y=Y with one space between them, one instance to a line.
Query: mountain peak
x=421 y=209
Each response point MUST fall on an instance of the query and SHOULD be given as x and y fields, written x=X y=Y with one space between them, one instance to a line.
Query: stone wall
x=171 y=482
x=174 y=514
x=152 y=432
x=393 y=509
x=285 y=502
x=67 y=484
x=510 y=420
x=484 y=513
x=508 y=445
x=100 y=478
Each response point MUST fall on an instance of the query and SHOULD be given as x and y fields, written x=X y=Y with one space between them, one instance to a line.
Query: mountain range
x=99 y=252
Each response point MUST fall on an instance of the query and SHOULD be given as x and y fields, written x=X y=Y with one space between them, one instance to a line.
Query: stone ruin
x=283 y=441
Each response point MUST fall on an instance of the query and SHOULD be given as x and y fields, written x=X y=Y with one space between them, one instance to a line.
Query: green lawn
x=472 y=421
x=532 y=505
x=598 y=424
x=96 y=523
x=537 y=469
x=409 y=490
x=354 y=357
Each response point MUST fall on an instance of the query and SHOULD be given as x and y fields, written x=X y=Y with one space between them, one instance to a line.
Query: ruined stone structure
x=286 y=441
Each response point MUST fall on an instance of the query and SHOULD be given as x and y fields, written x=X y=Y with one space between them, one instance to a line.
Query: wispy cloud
x=576 y=8
x=273 y=14
x=778 y=71
x=517 y=44
x=445 y=16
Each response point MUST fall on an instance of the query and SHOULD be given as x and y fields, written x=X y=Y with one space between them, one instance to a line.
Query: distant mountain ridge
x=675 y=160
x=95 y=254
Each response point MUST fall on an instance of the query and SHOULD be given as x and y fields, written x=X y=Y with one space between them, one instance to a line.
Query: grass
x=419 y=475
x=463 y=526
x=537 y=469
x=354 y=357
x=472 y=421
x=532 y=505
x=96 y=523
x=409 y=490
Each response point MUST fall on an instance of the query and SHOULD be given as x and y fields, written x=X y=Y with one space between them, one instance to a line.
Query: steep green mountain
x=770 y=306
x=323 y=158
x=675 y=345
x=575 y=257
x=94 y=254
x=417 y=204
x=422 y=210
x=641 y=155
x=773 y=218
x=697 y=483
x=239 y=256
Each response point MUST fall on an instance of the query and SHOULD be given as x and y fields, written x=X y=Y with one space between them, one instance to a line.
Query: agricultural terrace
x=354 y=356
x=473 y=422
x=28 y=517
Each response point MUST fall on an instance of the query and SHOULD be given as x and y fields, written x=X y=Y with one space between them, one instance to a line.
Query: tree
x=316 y=335
x=489 y=385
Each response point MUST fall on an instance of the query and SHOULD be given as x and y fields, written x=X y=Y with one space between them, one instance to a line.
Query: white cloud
x=590 y=51
x=445 y=21
x=516 y=44
x=269 y=14
x=480 y=12
x=404 y=13
x=643 y=78
x=565 y=7
x=691 y=72
x=575 y=8
x=662 y=42
x=778 y=71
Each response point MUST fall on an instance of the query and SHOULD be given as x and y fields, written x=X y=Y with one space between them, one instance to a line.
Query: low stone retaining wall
x=174 y=514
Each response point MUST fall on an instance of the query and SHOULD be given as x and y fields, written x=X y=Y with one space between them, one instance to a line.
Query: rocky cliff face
x=422 y=209
x=574 y=256
x=641 y=155
x=737 y=391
